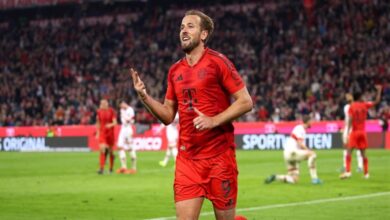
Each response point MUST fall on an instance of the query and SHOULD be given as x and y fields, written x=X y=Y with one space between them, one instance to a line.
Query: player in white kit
x=346 y=132
x=295 y=151
x=125 y=139
x=172 y=134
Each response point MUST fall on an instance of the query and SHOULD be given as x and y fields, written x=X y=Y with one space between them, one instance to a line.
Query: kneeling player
x=296 y=151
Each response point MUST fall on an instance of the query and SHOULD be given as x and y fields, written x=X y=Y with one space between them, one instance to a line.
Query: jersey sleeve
x=113 y=113
x=346 y=115
x=298 y=133
x=230 y=78
x=131 y=113
x=369 y=104
x=346 y=109
x=170 y=94
x=350 y=110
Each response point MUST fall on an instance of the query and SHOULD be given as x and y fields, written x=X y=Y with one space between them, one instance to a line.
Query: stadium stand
x=55 y=66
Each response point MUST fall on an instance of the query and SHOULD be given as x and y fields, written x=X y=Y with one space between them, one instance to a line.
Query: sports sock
x=122 y=157
x=359 y=159
x=285 y=178
x=167 y=155
x=174 y=153
x=365 y=164
x=133 y=156
x=345 y=158
x=311 y=162
x=348 y=165
x=102 y=159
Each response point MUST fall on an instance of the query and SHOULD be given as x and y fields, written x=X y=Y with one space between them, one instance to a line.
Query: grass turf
x=66 y=186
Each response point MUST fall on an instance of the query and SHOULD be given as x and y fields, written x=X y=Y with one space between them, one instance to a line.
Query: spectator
x=56 y=70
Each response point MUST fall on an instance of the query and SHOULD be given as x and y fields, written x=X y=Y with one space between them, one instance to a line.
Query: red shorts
x=108 y=139
x=358 y=139
x=214 y=178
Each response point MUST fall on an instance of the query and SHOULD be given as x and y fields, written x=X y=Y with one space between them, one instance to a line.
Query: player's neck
x=194 y=56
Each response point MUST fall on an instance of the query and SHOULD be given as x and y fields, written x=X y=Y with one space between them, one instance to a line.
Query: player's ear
x=203 y=35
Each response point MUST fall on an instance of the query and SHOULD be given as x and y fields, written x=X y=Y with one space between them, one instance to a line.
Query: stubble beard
x=191 y=46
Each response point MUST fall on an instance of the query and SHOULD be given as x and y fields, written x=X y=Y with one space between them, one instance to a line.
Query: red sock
x=102 y=160
x=111 y=161
x=348 y=163
x=365 y=165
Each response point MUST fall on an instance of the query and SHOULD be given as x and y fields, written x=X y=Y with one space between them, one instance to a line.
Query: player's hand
x=378 y=87
x=139 y=86
x=109 y=125
x=203 y=122
x=97 y=135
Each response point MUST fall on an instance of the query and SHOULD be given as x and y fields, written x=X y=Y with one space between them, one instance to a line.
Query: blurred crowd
x=295 y=60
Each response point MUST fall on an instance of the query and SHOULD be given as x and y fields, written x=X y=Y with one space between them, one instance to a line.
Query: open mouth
x=185 y=38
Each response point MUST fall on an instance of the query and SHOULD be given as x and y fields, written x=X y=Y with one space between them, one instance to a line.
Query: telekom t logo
x=10 y=132
x=190 y=97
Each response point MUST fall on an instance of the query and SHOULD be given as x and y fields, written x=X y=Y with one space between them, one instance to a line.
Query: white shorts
x=345 y=136
x=125 y=137
x=295 y=155
x=172 y=142
x=293 y=158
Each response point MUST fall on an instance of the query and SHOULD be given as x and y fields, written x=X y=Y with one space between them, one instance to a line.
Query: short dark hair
x=306 y=118
x=206 y=23
x=357 y=95
x=123 y=100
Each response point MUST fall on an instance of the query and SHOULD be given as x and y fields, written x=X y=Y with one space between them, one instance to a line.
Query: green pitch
x=66 y=186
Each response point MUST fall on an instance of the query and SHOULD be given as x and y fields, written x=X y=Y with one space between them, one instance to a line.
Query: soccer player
x=172 y=134
x=346 y=132
x=358 y=137
x=105 y=123
x=295 y=151
x=125 y=139
x=200 y=87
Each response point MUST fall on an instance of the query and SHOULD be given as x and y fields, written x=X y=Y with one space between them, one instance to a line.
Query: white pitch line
x=290 y=204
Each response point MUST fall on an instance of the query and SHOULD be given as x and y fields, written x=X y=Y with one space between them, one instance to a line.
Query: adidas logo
x=179 y=78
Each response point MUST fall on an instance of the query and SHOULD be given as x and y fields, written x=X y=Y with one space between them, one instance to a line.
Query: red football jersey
x=208 y=86
x=358 y=112
x=106 y=116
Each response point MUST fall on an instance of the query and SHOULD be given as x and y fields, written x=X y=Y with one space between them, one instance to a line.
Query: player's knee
x=133 y=155
x=122 y=153
x=102 y=148
x=224 y=214
x=292 y=179
x=185 y=210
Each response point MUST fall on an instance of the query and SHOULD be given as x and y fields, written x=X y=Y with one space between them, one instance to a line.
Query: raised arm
x=378 y=94
x=97 y=126
x=165 y=112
